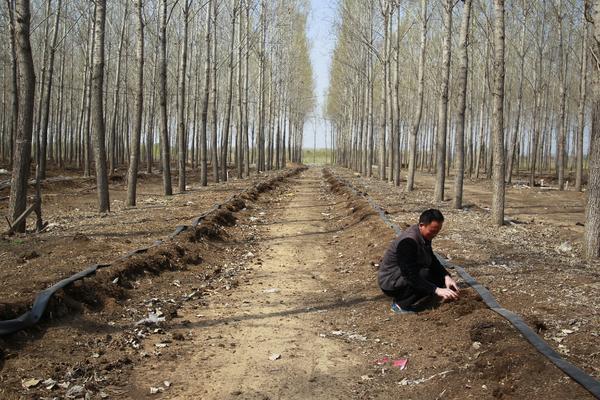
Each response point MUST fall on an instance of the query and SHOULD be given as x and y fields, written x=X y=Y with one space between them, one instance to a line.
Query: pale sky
x=321 y=36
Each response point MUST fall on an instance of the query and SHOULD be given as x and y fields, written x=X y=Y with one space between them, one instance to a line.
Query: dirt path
x=264 y=341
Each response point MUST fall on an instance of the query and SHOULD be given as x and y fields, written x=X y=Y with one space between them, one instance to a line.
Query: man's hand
x=446 y=294
x=451 y=284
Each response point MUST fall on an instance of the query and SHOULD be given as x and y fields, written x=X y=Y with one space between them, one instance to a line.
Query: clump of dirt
x=487 y=332
x=468 y=303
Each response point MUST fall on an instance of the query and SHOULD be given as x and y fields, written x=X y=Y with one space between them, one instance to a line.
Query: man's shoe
x=396 y=309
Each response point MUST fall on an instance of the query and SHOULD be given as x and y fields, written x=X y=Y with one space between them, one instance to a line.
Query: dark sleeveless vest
x=389 y=271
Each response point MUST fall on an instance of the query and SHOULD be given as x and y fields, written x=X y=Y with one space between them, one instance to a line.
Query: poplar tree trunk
x=463 y=55
x=215 y=142
x=151 y=112
x=239 y=148
x=561 y=139
x=85 y=146
x=396 y=106
x=261 y=166
x=47 y=96
x=98 y=108
x=581 y=113
x=498 y=116
x=443 y=105
x=246 y=143
x=592 y=211
x=134 y=157
x=165 y=144
x=384 y=93
x=227 y=123
x=181 y=121
x=22 y=152
x=14 y=82
x=113 y=122
x=203 y=139
x=513 y=147
x=410 y=183
x=42 y=83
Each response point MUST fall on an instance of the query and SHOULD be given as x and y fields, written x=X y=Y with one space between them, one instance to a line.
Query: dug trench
x=284 y=305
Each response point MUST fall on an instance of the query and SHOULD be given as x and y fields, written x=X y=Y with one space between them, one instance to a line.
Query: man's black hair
x=431 y=215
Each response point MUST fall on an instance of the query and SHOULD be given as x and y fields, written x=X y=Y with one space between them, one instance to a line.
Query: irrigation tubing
x=588 y=382
x=34 y=315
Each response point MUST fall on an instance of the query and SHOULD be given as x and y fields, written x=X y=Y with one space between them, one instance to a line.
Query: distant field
x=319 y=157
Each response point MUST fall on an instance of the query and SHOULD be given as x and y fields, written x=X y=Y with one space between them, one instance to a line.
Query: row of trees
x=412 y=88
x=111 y=84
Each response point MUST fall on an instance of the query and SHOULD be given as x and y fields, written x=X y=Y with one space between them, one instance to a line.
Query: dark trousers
x=406 y=295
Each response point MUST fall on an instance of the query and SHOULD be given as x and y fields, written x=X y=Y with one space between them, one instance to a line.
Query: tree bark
x=113 y=123
x=261 y=165
x=181 y=121
x=214 y=120
x=203 y=138
x=443 y=105
x=498 y=116
x=98 y=108
x=165 y=144
x=581 y=113
x=420 y=95
x=239 y=153
x=463 y=55
x=515 y=136
x=227 y=123
x=134 y=156
x=14 y=81
x=592 y=212
x=561 y=139
x=246 y=142
x=22 y=152
x=47 y=96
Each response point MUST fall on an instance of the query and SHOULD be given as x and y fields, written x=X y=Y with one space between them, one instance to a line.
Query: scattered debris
x=400 y=363
x=30 y=383
x=153 y=319
x=271 y=290
x=407 y=382
x=564 y=248
x=274 y=356
x=75 y=391
x=155 y=390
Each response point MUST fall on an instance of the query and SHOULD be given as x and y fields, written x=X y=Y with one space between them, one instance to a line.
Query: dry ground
x=284 y=303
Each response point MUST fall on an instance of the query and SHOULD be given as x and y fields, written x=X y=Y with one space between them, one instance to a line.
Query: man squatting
x=410 y=273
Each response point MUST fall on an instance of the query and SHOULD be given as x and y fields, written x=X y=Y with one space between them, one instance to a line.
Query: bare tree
x=581 y=113
x=462 y=104
x=203 y=139
x=443 y=103
x=213 y=136
x=522 y=52
x=98 y=108
x=498 y=116
x=227 y=123
x=47 y=96
x=113 y=123
x=134 y=156
x=420 y=95
x=592 y=211
x=164 y=130
x=181 y=121
x=14 y=79
x=22 y=152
